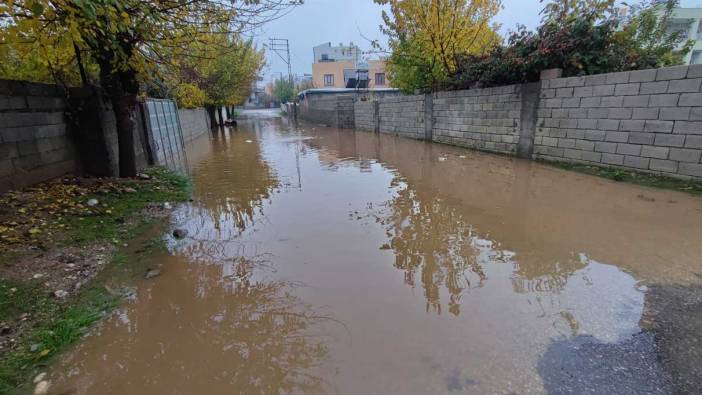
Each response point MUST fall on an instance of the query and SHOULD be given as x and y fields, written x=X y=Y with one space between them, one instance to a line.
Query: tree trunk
x=219 y=116
x=229 y=112
x=211 y=113
x=122 y=88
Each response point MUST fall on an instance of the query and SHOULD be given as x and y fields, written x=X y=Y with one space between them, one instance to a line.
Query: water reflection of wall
x=547 y=216
x=433 y=240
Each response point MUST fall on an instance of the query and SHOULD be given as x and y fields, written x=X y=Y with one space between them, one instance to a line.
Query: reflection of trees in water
x=545 y=276
x=233 y=183
x=266 y=333
x=230 y=188
x=430 y=240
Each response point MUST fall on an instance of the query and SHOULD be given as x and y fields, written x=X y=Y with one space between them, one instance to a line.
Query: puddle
x=326 y=261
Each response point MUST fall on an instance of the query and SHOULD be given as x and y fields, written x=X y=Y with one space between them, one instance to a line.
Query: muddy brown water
x=331 y=261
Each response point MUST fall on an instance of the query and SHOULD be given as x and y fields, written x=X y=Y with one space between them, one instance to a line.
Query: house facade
x=342 y=67
x=687 y=22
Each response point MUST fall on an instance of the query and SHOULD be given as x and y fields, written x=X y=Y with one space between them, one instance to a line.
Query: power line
x=281 y=47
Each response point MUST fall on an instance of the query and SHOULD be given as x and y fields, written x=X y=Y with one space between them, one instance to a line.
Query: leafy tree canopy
x=283 y=90
x=425 y=37
x=125 y=42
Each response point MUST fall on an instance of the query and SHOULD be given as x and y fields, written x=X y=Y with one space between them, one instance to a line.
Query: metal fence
x=164 y=134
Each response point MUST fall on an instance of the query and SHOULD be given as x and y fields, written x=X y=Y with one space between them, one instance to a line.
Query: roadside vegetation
x=62 y=245
x=194 y=51
x=634 y=177
x=453 y=44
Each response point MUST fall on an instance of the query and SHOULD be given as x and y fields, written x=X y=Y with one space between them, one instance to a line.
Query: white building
x=687 y=21
x=326 y=53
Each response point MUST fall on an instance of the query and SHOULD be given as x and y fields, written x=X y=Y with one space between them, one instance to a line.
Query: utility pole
x=281 y=47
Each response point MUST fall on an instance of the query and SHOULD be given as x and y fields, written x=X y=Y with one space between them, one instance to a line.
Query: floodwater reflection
x=185 y=335
x=232 y=185
x=234 y=193
x=334 y=261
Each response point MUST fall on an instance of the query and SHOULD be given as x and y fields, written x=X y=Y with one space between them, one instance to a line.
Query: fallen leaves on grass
x=37 y=215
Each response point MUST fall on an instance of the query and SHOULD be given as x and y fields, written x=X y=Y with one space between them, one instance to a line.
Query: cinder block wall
x=363 y=115
x=34 y=140
x=647 y=120
x=345 y=112
x=402 y=115
x=194 y=122
x=38 y=142
x=319 y=108
x=485 y=119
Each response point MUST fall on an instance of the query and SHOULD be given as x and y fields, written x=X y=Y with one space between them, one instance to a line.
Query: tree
x=125 y=38
x=283 y=90
x=220 y=71
x=425 y=36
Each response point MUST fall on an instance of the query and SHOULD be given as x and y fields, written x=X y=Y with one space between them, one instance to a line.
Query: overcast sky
x=320 y=21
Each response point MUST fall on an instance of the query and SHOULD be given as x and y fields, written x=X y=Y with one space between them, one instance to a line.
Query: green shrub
x=581 y=37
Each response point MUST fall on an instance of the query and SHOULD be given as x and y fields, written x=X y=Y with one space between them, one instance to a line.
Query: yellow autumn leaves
x=425 y=36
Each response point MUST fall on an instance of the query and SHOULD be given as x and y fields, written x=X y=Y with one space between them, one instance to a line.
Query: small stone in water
x=92 y=202
x=42 y=388
x=180 y=233
x=40 y=377
x=60 y=294
x=151 y=273
x=167 y=206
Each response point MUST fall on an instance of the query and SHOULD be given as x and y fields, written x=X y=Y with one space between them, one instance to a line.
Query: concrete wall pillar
x=376 y=116
x=530 y=95
x=428 y=116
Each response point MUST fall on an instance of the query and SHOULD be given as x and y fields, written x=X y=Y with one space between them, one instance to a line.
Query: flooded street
x=320 y=260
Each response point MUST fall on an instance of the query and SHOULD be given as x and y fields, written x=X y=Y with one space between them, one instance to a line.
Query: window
x=325 y=56
x=328 y=79
x=379 y=79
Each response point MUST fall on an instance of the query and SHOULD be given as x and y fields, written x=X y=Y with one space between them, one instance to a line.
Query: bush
x=581 y=37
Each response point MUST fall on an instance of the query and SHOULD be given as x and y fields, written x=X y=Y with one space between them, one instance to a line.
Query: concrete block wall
x=402 y=115
x=34 y=136
x=194 y=122
x=363 y=115
x=345 y=112
x=485 y=119
x=649 y=120
x=319 y=108
x=645 y=120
